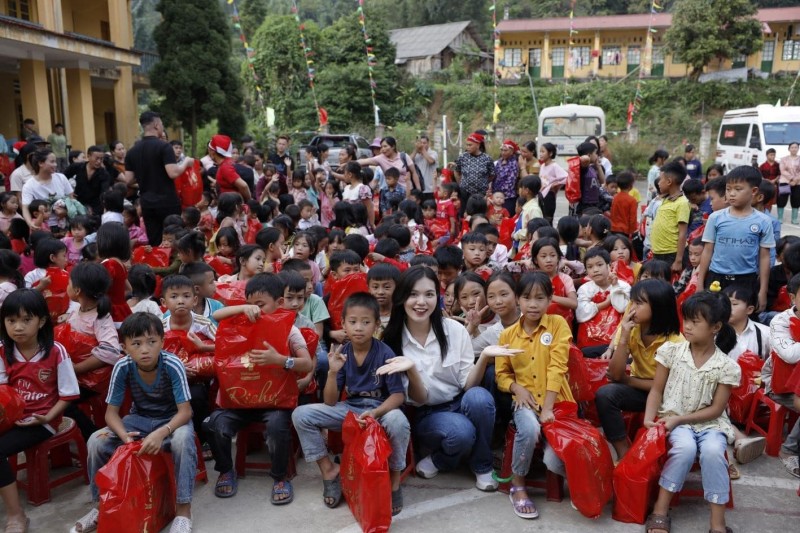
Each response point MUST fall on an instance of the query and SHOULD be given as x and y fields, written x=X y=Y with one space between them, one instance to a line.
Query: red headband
x=476 y=138
x=511 y=144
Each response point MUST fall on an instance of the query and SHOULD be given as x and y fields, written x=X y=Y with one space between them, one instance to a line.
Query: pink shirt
x=5 y=221
x=73 y=250
x=102 y=329
x=551 y=174
x=386 y=163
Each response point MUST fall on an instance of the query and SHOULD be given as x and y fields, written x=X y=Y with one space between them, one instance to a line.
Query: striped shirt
x=159 y=400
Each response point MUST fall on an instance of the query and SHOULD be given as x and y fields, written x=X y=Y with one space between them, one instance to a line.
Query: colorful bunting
x=249 y=52
x=372 y=60
x=310 y=71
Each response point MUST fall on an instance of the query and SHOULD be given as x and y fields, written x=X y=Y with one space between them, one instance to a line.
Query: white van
x=745 y=134
x=567 y=126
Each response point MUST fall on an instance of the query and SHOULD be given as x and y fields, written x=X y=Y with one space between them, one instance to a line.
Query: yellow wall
x=103 y=100
x=85 y=16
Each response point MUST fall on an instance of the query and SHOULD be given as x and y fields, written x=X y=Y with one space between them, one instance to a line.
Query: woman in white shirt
x=46 y=184
x=455 y=416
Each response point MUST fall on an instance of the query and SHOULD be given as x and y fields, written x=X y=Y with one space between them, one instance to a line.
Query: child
x=470 y=293
x=537 y=378
x=9 y=210
x=592 y=177
x=668 y=233
x=227 y=245
x=761 y=202
x=495 y=210
x=355 y=191
x=191 y=248
x=132 y=222
x=314 y=308
x=438 y=229
x=342 y=264
x=599 y=226
x=328 y=198
x=112 y=208
x=738 y=238
x=624 y=208
x=41 y=373
x=88 y=285
x=689 y=274
x=690 y=404
x=294 y=299
x=656 y=161
x=305 y=249
x=619 y=248
x=40 y=214
x=392 y=191
x=553 y=177
x=750 y=336
x=382 y=280
x=445 y=208
x=546 y=257
x=264 y=294
x=402 y=234
x=356 y=369
x=79 y=228
x=114 y=249
x=529 y=188
x=770 y=169
x=59 y=225
x=473 y=245
x=249 y=263
x=143 y=285
x=496 y=252
x=202 y=276
x=602 y=293
x=695 y=193
x=308 y=217
x=10 y=275
x=49 y=253
x=156 y=382
x=451 y=262
x=206 y=224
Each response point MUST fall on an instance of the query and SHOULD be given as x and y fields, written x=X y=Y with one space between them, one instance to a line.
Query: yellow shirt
x=644 y=357
x=542 y=367
x=664 y=232
x=636 y=194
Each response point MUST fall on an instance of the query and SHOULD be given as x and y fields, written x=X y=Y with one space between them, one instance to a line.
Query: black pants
x=793 y=196
x=154 y=221
x=667 y=258
x=610 y=401
x=745 y=280
x=15 y=440
x=200 y=409
x=548 y=203
x=593 y=352
x=85 y=423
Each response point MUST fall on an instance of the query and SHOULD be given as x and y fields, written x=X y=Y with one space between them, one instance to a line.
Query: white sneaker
x=426 y=469
x=486 y=482
x=181 y=524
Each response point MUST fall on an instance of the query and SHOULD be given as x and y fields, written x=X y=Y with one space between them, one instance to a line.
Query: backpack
x=403 y=156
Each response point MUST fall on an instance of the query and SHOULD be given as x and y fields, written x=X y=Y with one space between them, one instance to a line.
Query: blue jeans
x=685 y=444
x=224 y=424
x=458 y=428
x=310 y=419
x=528 y=432
x=104 y=442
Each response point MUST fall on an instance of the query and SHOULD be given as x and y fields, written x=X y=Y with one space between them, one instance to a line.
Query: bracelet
x=168 y=428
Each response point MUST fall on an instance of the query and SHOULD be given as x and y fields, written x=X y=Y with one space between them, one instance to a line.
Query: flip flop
x=792 y=464
x=280 y=488
x=87 y=523
x=749 y=449
x=228 y=479
x=17 y=526
x=397 y=501
x=332 y=488
x=733 y=472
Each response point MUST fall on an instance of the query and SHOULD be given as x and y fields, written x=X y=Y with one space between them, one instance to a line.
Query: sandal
x=87 y=523
x=181 y=524
x=519 y=505
x=792 y=464
x=332 y=488
x=282 y=488
x=228 y=479
x=18 y=526
x=656 y=522
x=397 y=502
x=207 y=454
x=749 y=449
x=733 y=472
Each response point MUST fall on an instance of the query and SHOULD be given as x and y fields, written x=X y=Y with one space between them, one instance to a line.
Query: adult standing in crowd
x=47 y=184
x=527 y=161
x=474 y=169
x=220 y=149
x=282 y=159
x=151 y=163
x=390 y=157
x=58 y=142
x=426 y=161
x=506 y=171
x=24 y=170
x=790 y=175
x=91 y=181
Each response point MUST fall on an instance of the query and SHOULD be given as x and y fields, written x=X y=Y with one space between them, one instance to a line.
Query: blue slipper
x=228 y=479
x=280 y=488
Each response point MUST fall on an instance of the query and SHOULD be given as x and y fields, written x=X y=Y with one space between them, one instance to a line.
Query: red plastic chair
x=95 y=408
x=553 y=483
x=202 y=474
x=778 y=415
x=245 y=440
x=698 y=492
x=57 y=449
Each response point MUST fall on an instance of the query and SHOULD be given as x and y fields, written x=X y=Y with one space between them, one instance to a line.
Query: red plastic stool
x=698 y=493
x=778 y=416
x=95 y=408
x=57 y=448
x=411 y=463
x=202 y=474
x=242 y=442
x=553 y=483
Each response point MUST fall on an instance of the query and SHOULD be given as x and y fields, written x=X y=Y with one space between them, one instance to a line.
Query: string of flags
x=372 y=61
x=644 y=70
x=496 y=39
x=308 y=54
x=250 y=53
x=571 y=43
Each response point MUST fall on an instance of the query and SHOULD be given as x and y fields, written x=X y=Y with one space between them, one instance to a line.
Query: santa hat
x=18 y=146
x=476 y=138
x=222 y=145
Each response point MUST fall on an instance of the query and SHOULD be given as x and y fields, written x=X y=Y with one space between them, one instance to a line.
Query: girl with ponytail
x=689 y=397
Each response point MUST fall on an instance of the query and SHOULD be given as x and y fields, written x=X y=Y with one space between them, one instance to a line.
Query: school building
x=619 y=45
x=70 y=61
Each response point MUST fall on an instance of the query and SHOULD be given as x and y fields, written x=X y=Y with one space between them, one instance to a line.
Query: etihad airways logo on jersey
x=25 y=391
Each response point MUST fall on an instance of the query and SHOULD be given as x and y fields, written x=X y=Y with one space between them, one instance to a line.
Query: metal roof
x=425 y=41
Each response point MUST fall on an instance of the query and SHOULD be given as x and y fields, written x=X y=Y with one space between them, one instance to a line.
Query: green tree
x=252 y=13
x=704 y=30
x=194 y=73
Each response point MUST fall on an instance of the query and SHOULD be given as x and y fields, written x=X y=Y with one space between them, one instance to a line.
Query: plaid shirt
x=399 y=194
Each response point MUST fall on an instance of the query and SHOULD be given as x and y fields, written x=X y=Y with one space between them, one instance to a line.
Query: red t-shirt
x=226 y=177
x=445 y=209
x=623 y=213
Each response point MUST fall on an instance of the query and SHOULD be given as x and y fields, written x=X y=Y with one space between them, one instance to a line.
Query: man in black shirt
x=151 y=163
x=284 y=164
x=91 y=181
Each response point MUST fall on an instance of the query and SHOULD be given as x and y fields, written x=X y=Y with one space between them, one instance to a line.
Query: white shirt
x=443 y=379
x=111 y=216
x=587 y=309
x=428 y=170
x=781 y=340
x=58 y=186
x=748 y=340
x=20 y=177
x=500 y=255
x=488 y=337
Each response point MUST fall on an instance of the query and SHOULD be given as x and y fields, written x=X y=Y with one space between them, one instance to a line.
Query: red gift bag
x=365 y=474
x=253 y=227
x=742 y=396
x=157 y=258
x=782 y=301
x=312 y=342
x=137 y=492
x=179 y=343
x=506 y=230
x=56 y=293
x=781 y=370
x=243 y=384
x=600 y=329
x=557 y=309
x=636 y=476
x=79 y=347
x=231 y=293
x=11 y=407
x=623 y=271
x=586 y=458
x=572 y=189
x=578 y=376
x=340 y=289
x=189 y=185
x=222 y=269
